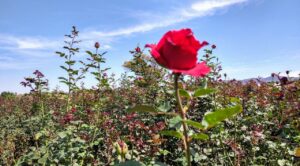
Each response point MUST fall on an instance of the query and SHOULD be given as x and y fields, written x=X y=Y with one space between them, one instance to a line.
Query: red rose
x=177 y=51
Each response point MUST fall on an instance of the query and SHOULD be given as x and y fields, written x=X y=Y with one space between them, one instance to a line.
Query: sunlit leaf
x=200 y=136
x=165 y=107
x=184 y=93
x=172 y=133
x=195 y=124
x=62 y=134
x=130 y=163
x=142 y=109
x=213 y=118
x=149 y=109
x=203 y=92
x=175 y=121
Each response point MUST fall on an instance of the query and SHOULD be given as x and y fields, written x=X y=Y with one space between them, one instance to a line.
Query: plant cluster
x=150 y=116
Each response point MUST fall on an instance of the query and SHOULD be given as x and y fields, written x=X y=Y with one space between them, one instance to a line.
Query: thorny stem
x=186 y=142
x=99 y=75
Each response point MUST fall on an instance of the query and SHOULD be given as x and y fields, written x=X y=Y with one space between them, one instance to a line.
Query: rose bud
x=273 y=74
x=121 y=147
x=73 y=110
x=137 y=49
x=213 y=46
x=97 y=45
x=177 y=51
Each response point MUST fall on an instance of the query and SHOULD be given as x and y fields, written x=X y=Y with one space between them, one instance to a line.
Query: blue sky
x=253 y=37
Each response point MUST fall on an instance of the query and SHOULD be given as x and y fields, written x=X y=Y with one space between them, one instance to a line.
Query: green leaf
x=62 y=78
x=172 y=133
x=74 y=49
x=195 y=124
x=130 y=163
x=200 y=136
x=157 y=163
x=75 y=72
x=213 y=118
x=149 y=109
x=90 y=53
x=38 y=135
x=63 y=67
x=142 y=109
x=43 y=160
x=95 y=73
x=175 y=122
x=202 y=92
x=70 y=62
x=62 y=134
x=184 y=93
x=60 y=54
x=165 y=107
x=235 y=100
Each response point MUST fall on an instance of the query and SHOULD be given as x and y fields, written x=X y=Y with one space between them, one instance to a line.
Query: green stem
x=99 y=77
x=186 y=142
x=69 y=74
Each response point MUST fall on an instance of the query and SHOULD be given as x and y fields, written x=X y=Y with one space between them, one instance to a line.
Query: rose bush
x=177 y=51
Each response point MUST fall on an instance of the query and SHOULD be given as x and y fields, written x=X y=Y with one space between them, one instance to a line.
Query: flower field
x=172 y=107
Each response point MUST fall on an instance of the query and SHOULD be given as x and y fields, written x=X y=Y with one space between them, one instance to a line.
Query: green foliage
x=223 y=122
x=213 y=118
x=130 y=163
x=73 y=74
x=172 y=133
x=8 y=95
x=185 y=93
x=200 y=136
x=203 y=92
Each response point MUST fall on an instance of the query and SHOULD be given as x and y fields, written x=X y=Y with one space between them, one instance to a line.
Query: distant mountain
x=268 y=79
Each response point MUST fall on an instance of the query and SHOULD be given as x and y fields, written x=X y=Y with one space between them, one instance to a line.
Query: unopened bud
x=121 y=147
x=97 y=45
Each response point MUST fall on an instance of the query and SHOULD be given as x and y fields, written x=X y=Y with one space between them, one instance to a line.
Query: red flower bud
x=97 y=45
x=137 y=49
x=273 y=74
x=73 y=110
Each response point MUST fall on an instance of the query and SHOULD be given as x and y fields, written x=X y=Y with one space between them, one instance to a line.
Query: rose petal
x=200 y=70
x=155 y=54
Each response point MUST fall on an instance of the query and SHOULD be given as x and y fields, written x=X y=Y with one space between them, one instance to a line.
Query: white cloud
x=29 y=43
x=195 y=10
x=9 y=63
x=208 y=5
x=23 y=43
x=42 y=47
